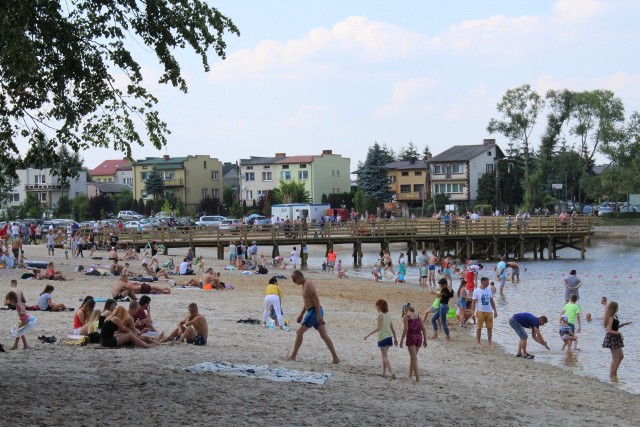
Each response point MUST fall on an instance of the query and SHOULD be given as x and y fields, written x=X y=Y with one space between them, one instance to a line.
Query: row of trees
x=578 y=125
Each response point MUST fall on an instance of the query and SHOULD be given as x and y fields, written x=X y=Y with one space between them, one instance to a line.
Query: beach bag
x=94 y=338
x=263 y=270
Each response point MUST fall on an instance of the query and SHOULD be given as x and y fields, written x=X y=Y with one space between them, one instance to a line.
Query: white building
x=46 y=186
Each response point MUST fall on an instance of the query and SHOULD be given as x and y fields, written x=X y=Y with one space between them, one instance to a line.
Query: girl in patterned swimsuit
x=415 y=334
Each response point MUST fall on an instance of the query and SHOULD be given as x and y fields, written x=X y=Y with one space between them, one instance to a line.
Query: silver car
x=210 y=220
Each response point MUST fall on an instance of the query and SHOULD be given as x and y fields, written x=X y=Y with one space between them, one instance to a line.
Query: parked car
x=587 y=210
x=185 y=221
x=210 y=220
x=604 y=210
x=59 y=223
x=129 y=216
x=232 y=224
x=133 y=225
x=257 y=219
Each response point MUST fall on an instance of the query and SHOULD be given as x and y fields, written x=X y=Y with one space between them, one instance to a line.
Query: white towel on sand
x=273 y=374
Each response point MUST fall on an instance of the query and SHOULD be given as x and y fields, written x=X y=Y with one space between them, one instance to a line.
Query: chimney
x=412 y=160
x=327 y=151
x=489 y=142
x=165 y=157
x=281 y=154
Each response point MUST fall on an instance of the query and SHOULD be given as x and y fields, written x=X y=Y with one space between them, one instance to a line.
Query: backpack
x=263 y=270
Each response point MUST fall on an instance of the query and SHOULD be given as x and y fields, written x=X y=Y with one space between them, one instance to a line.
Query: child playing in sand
x=324 y=266
x=377 y=272
x=492 y=285
x=342 y=272
x=399 y=278
x=200 y=263
x=566 y=333
x=385 y=330
x=12 y=298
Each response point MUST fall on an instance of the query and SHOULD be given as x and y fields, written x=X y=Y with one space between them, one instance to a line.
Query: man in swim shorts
x=501 y=271
x=311 y=316
x=432 y=271
x=193 y=329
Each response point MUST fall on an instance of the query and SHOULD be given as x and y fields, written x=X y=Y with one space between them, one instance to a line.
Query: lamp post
x=498 y=192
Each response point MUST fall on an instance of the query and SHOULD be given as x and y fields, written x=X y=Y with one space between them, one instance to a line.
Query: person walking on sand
x=572 y=284
x=446 y=293
x=416 y=337
x=613 y=338
x=484 y=310
x=311 y=316
x=501 y=271
x=293 y=257
x=521 y=321
x=386 y=335
x=388 y=263
x=331 y=261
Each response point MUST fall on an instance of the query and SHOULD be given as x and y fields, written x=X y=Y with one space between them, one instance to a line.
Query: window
x=42 y=196
x=333 y=173
x=438 y=169
x=266 y=167
x=168 y=175
x=214 y=175
x=489 y=153
x=337 y=173
x=457 y=168
x=490 y=168
x=392 y=179
x=249 y=176
x=262 y=194
x=40 y=179
x=214 y=193
x=418 y=188
x=14 y=197
x=286 y=175
x=405 y=188
x=418 y=173
x=303 y=175
x=302 y=166
x=285 y=166
x=144 y=176
x=205 y=164
x=249 y=168
x=127 y=181
x=249 y=194
x=205 y=193
x=405 y=173
x=145 y=194
x=448 y=188
x=266 y=176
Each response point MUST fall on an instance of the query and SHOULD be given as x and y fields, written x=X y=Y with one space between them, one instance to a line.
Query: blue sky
x=311 y=75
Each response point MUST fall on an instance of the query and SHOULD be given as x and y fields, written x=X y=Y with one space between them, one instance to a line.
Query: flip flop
x=529 y=356
x=518 y=355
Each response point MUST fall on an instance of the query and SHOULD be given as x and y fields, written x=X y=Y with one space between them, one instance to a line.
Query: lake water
x=612 y=269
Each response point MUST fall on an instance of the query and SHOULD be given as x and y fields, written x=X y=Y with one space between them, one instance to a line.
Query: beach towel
x=263 y=371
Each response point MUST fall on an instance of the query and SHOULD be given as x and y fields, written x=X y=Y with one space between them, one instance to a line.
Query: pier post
x=583 y=248
x=220 y=252
x=304 y=255
x=409 y=244
x=357 y=253
x=458 y=250
x=535 y=250
x=329 y=246
x=550 y=251
x=469 y=244
x=275 y=250
x=495 y=247
x=415 y=251
x=521 y=251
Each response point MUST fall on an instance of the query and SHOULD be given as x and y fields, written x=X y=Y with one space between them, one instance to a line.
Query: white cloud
x=573 y=11
x=306 y=115
x=408 y=97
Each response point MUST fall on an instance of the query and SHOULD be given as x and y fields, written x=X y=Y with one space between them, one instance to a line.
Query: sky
x=305 y=76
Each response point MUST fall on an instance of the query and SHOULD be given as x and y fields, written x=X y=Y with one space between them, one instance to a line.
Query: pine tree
x=409 y=152
x=154 y=184
x=373 y=175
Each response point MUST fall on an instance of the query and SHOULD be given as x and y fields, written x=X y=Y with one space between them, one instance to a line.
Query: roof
x=161 y=163
x=407 y=164
x=459 y=153
x=259 y=160
x=228 y=167
x=296 y=159
x=109 y=167
x=598 y=169
x=111 y=187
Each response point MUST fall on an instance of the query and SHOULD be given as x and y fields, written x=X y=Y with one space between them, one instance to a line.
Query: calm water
x=611 y=269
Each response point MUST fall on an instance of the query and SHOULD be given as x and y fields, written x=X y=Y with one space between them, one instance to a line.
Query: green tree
x=123 y=201
x=63 y=208
x=426 y=153
x=228 y=196
x=58 y=66
x=409 y=152
x=31 y=207
x=373 y=174
x=154 y=183
x=80 y=207
x=487 y=189
x=520 y=108
x=7 y=185
x=360 y=200
x=98 y=205
x=291 y=192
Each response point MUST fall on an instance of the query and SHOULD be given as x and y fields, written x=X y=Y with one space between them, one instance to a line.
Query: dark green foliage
x=58 y=66
x=154 y=183
x=99 y=205
x=373 y=174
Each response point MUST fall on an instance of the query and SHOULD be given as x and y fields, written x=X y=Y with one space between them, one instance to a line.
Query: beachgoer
x=433 y=259
x=613 y=339
x=114 y=332
x=81 y=316
x=273 y=298
x=416 y=337
x=45 y=302
x=566 y=334
x=193 y=328
x=53 y=274
x=446 y=293
x=463 y=299
x=515 y=271
x=293 y=257
x=18 y=292
x=331 y=261
x=386 y=335
x=484 y=310
x=572 y=311
x=51 y=244
x=142 y=316
x=501 y=271
x=422 y=264
x=12 y=298
x=311 y=316
x=388 y=263
x=232 y=253
x=572 y=284
x=521 y=321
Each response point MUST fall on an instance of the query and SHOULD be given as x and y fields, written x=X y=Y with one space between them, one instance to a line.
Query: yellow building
x=190 y=178
x=408 y=182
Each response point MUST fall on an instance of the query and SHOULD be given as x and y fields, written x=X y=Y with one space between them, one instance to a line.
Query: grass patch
x=617 y=221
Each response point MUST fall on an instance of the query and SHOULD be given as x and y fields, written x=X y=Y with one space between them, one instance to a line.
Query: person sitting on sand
x=142 y=316
x=109 y=306
x=160 y=272
x=45 y=302
x=53 y=274
x=193 y=329
x=185 y=268
x=114 y=333
x=131 y=255
x=126 y=271
x=113 y=255
x=81 y=316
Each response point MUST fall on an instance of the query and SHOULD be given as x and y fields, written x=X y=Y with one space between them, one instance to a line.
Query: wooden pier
x=484 y=238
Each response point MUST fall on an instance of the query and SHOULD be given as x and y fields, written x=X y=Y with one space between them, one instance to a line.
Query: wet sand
x=60 y=385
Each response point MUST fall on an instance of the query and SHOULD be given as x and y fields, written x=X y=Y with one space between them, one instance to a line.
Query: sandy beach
x=61 y=385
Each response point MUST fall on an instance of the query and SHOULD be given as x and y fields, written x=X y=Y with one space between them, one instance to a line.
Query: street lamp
x=498 y=192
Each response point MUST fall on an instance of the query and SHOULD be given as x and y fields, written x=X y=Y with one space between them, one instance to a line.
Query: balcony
x=173 y=182
x=42 y=187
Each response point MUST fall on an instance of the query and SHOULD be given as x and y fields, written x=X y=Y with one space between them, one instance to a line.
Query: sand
x=59 y=385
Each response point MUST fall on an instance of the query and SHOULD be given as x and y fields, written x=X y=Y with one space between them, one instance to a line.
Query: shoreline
x=150 y=386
